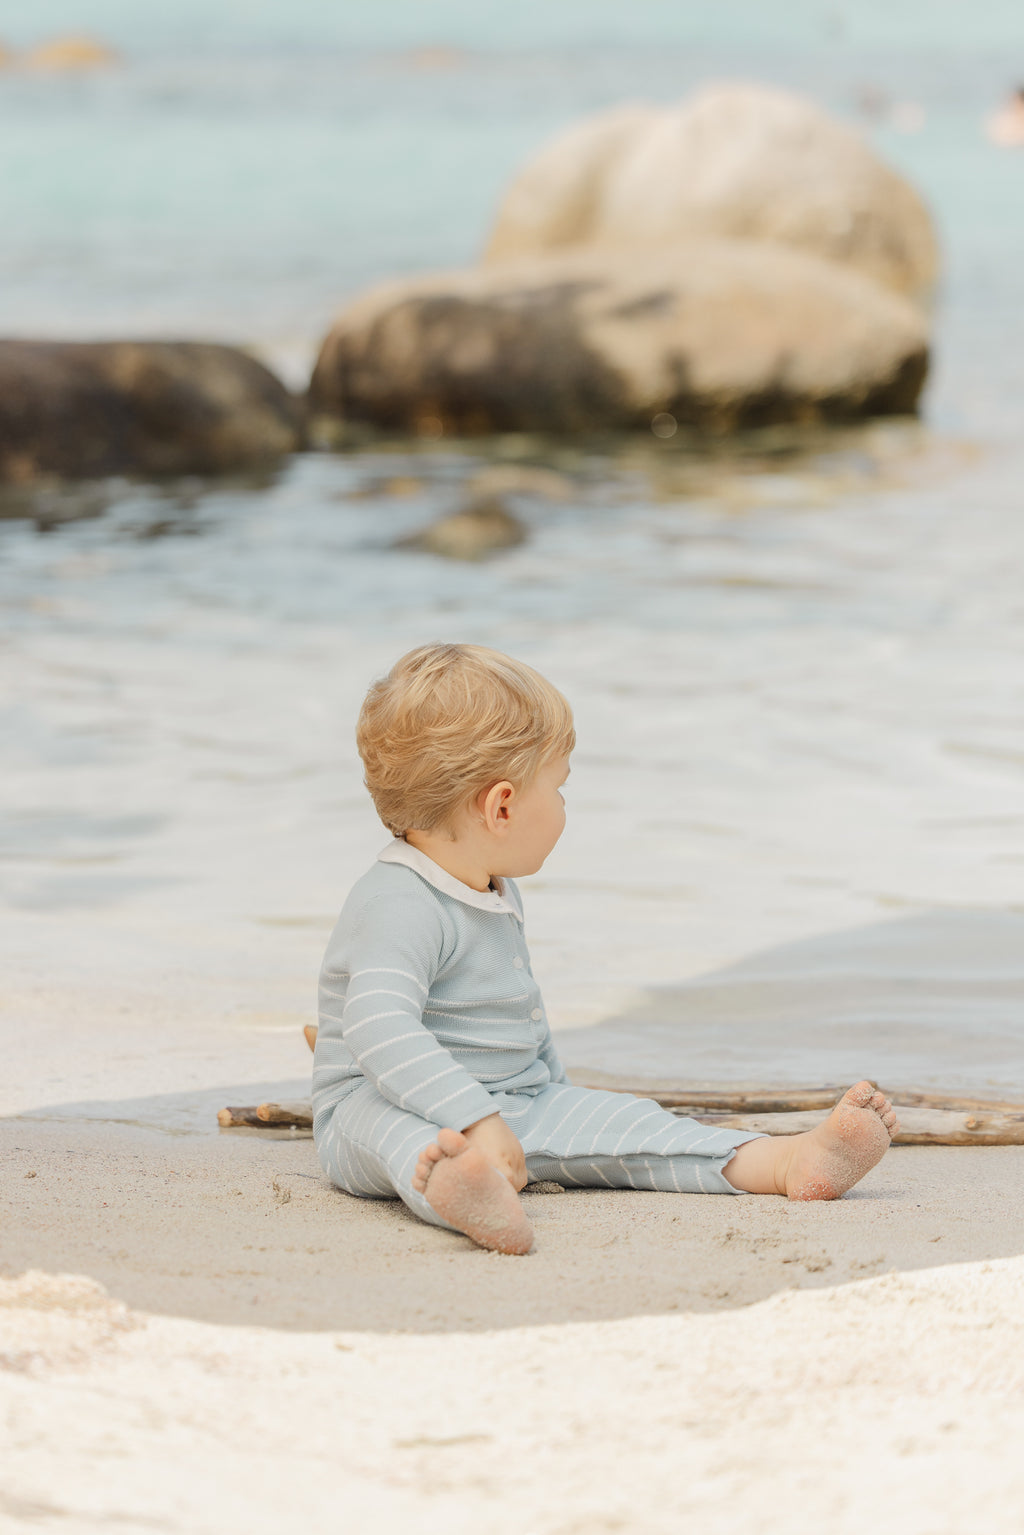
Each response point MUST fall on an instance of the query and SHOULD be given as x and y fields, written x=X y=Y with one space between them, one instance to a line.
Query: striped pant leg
x=585 y=1138
x=370 y=1148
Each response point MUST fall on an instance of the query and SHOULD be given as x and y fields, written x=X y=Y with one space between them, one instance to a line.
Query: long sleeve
x=393 y=952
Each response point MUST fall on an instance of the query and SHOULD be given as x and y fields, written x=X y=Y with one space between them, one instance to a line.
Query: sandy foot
x=471 y=1195
x=833 y=1157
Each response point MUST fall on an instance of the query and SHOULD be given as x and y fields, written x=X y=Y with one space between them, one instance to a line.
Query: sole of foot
x=471 y=1195
x=835 y=1155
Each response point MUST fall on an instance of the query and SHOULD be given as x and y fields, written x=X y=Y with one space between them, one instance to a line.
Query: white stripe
x=419 y=1087
x=627 y=1105
x=652 y=1115
x=438 y=1012
x=397 y=1039
x=485 y=1001
x=457 y=1094
x=379 y=991
x=565 y=1118
x=384 y=970
x=468 y=1046
x=399 y=1012
x=415 y=1060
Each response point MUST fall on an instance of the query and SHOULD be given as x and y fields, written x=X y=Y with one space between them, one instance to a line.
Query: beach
x=210 y=1334
x=793 y=856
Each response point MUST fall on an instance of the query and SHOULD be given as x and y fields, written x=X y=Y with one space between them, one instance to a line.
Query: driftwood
x=926 y=1118
x=285 y=1113
x=232 y=1118
x=919 y=1126
x=266 y=1116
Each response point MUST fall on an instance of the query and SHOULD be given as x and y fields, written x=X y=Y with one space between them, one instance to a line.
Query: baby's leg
x=826 y=1161
x=586 y=1138
x=581 y=1137
x=370 y=1148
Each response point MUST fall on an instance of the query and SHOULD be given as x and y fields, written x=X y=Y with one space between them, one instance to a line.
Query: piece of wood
x=782 y=1100
x=285 y=1114
x=233 y=1118
x=763 y=1100
x=918 y=1126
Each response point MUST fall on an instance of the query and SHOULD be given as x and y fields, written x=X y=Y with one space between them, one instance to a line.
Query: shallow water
x=798 y=674
x=798 y=698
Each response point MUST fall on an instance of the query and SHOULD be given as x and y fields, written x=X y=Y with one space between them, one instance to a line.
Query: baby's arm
x=392 y=951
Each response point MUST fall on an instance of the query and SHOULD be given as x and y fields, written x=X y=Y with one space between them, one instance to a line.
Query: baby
x=435 y=1077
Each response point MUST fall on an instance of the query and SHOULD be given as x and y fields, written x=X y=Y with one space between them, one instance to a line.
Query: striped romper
x=430 y=1016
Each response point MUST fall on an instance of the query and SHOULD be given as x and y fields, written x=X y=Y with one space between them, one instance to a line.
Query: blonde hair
x=450 y=720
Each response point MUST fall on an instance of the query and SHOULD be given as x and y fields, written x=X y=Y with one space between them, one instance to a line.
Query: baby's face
x=537 y=816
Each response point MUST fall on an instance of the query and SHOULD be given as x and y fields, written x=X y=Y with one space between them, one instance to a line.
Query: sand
x=197 y=1332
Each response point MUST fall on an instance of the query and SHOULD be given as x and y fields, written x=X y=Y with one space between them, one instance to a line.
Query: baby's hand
x=500 y=1146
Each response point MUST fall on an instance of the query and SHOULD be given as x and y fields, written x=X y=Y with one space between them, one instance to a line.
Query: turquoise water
x=250 y=166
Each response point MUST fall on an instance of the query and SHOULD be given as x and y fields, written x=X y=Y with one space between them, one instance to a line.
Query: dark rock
x=87 y=409
x=715 y=334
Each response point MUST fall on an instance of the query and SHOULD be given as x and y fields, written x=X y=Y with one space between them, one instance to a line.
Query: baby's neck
x=455 y=855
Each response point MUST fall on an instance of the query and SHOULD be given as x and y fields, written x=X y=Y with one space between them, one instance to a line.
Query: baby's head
x=449 y=722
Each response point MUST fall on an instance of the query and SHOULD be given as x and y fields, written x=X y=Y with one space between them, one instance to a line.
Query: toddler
x=435 y=1077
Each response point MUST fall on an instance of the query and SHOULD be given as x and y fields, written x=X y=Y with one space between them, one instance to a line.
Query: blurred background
x=798 y=666
x=243 y=168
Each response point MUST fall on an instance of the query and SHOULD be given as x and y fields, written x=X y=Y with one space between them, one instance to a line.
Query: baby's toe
x=451 y=1142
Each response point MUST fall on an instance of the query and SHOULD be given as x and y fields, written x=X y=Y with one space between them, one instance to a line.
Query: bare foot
x=471 y=1195
x=826 y=1161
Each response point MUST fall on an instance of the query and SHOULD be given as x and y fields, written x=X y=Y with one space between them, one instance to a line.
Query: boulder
x=471 y=533
x=83 y=409
x=736 y=161
x=716 y=334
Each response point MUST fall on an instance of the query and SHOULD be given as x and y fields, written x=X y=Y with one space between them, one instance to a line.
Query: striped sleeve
x=393 y=951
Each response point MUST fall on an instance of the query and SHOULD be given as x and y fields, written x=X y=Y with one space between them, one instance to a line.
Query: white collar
x=501 y=900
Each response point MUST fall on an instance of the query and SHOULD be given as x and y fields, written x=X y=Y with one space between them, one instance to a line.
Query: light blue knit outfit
x=430 y=1016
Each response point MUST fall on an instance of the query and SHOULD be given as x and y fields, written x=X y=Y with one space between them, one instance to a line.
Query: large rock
x=717 y=334
x=739 y=161
x=81 y=409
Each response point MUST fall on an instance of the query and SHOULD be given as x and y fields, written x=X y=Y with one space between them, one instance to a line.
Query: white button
x=517 y=962
x=536 y=1015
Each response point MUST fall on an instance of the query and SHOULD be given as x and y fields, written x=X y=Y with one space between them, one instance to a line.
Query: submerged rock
x=736 y=161
x=85 y=409
x=475 y=531
x=521 y=480
x=715 y=334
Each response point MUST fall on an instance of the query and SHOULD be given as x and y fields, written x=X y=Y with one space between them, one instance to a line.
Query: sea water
x=795 y=846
